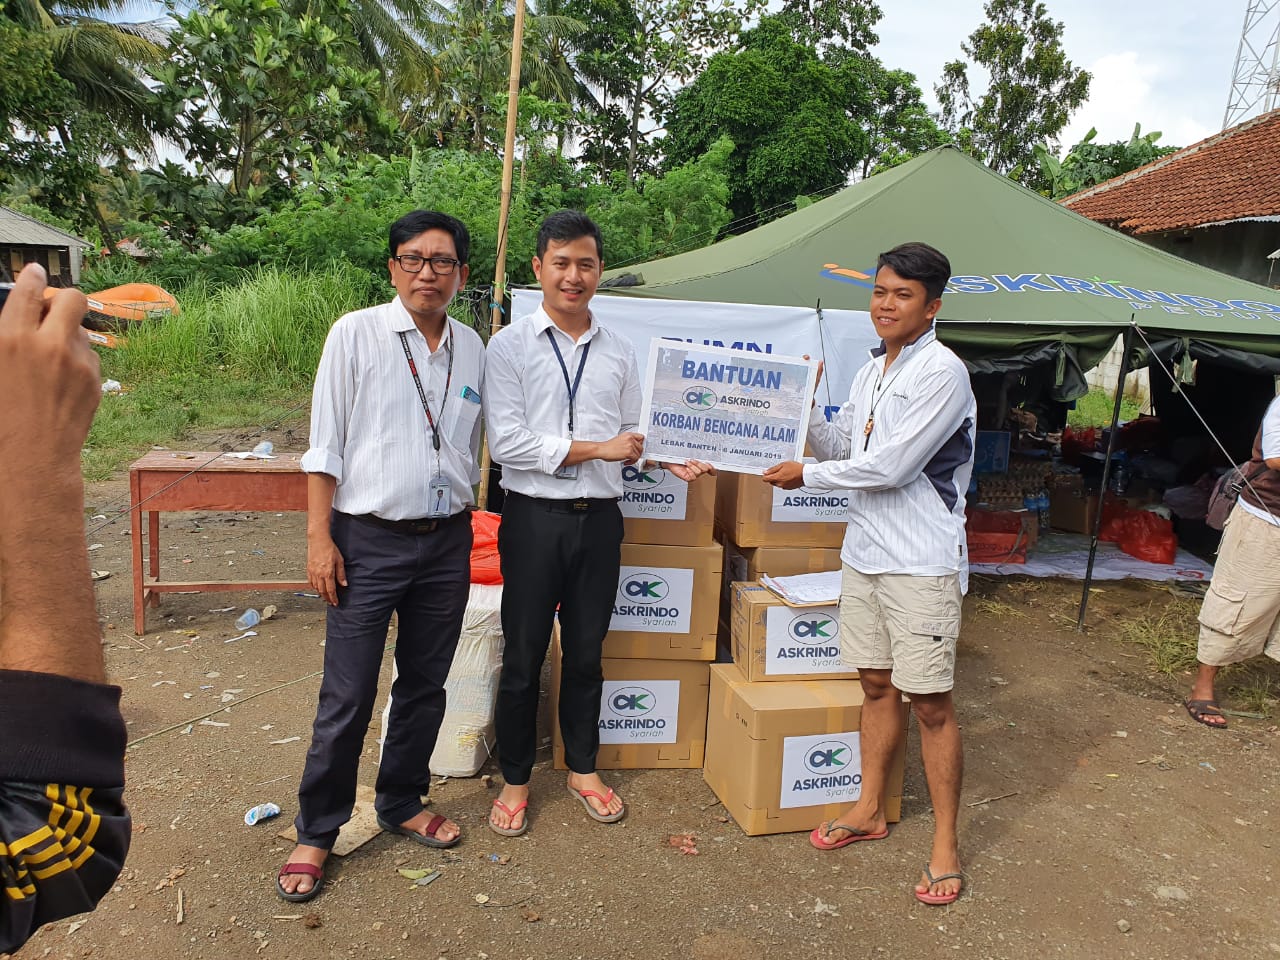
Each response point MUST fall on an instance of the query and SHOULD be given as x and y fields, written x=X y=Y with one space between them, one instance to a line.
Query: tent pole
x=500 y=270
x=1106 y=472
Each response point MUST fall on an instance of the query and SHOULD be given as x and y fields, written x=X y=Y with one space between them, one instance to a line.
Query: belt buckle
x=581 y=505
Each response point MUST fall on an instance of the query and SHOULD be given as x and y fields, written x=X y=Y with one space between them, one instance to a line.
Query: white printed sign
x=653 y=600
x=822 y=769
x=802 y=640
x=809 y=506
x=639 y=711
x=653 y=494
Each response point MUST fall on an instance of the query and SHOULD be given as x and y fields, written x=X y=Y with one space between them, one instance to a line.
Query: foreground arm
x=64 y=830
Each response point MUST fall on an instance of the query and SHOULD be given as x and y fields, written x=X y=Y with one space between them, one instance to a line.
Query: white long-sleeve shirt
x=368 y=429
x=526 y=406
x=908 y=478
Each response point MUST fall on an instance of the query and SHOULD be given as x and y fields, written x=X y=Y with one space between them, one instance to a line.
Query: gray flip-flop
x=583 y=795
x=427 y=840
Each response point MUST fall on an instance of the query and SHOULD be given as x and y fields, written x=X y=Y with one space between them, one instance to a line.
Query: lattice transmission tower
x=1255 y=81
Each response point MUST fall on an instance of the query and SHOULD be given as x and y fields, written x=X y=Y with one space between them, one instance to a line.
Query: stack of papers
x=806 y=589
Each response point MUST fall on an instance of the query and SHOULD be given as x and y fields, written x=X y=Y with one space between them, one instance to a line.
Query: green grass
x=1094 y=410
x=236 y=359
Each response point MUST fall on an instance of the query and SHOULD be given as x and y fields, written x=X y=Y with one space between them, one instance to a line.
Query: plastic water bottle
x=250 y=618
x=263 y=811
x=264 y=449
x=1120 y=475
x=1042 y=504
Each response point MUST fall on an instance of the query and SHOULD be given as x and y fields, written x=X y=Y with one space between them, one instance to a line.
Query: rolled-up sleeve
x=511 y=441
x=330 y=404
x=939 y=411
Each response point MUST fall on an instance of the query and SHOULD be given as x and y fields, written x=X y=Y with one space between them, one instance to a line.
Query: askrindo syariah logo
x=812 y=630
x=699 y=397
x=828 y=757
x=630 y=702
x=649 y=479
x=1134 y=298
x=644 y=587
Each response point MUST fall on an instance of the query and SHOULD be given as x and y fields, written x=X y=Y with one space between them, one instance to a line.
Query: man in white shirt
x=1240 y=616
x=562 y=406
x=395 y=435
x=903 y=448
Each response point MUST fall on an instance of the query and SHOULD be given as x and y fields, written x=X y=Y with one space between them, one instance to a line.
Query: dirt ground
x=1098 y=820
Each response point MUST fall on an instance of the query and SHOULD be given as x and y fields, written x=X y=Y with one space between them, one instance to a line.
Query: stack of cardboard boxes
x=653 y=711
x=783 y=747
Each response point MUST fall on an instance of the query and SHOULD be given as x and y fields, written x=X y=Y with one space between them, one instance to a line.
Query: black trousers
x=552 y=555
x=425 y=579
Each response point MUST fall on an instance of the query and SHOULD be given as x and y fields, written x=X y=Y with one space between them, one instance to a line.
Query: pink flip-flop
x=583 y=796
x=818 y=840
x=939 y=899
x=510 y=812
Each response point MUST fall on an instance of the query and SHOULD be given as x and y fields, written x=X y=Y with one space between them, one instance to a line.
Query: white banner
x=841 y=340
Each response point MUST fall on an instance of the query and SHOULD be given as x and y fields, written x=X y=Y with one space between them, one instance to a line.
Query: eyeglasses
x=440 y=266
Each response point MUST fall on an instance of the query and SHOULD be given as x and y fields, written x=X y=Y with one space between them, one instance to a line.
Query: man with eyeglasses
x=395 y=439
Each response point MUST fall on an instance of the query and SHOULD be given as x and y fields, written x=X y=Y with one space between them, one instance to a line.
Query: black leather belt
x=413 y=527
x=580 y=505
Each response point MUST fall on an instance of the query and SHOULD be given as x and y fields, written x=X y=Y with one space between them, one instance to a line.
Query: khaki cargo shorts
x=903 y=623
x=1240 y=616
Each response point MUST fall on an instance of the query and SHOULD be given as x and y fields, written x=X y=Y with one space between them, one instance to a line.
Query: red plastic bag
x=485 y=567
x=1150 y=537
x=1114 y=514
x=1077 y=442
x=995 y=536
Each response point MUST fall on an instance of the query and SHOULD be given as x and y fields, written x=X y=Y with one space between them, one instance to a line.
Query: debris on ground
x=686 y=843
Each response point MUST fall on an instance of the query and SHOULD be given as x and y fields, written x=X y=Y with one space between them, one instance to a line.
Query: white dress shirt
x=907 y=479
x=526 y=406
x=368 y=429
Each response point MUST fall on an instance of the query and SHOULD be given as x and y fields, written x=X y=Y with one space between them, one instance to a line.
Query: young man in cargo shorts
x=903 y=447
x=1240 y=616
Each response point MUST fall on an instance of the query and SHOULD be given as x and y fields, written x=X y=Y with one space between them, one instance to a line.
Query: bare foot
x=592 y=782
x=512 y=795
x=300 y=882
x=941 y=863
x=857 y=819
x=447 y=832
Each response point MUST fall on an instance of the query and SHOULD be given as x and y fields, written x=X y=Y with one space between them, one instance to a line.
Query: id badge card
x=438 y=497
x=566 y=472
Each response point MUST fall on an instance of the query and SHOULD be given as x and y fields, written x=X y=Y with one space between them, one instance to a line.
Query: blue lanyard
x=564 y=369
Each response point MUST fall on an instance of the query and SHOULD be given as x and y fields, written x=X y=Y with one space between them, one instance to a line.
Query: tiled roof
x=1233 y=175
x=19 y=229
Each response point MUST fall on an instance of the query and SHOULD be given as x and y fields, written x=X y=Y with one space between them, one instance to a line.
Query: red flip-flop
x=939 y=899
x=822 y=843
x=305 y=869
x=511 y=812
x=583 y=796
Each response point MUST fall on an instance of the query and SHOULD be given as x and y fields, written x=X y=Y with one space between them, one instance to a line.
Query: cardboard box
x=751 y=563
x=660 y=508
x=667 y=603
x=1071 y=507
x=783 y=757
x=653 y=714
x=772 y=641
x=753 y=514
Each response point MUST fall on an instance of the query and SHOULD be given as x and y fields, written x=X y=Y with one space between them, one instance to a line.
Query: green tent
x=1033 y=281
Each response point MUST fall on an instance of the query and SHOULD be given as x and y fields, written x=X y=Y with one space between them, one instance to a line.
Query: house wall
x=61 y=263
x=1239 y=249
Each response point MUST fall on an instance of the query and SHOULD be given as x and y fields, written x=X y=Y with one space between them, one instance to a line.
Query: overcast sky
x=1164 y=64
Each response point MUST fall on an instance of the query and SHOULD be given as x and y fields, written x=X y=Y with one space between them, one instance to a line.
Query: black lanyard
x=572 y=388
x=877 y=393
x=417 y=382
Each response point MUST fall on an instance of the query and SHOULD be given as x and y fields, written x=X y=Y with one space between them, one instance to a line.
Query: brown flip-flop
x=1200 y=709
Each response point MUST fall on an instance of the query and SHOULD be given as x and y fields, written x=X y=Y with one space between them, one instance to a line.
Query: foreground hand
x=325 y=569
x=690 y=470
x=51 y=382
x=788 y=475
x=625 y=447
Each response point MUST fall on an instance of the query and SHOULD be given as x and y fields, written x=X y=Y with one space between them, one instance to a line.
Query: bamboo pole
x=504 y=212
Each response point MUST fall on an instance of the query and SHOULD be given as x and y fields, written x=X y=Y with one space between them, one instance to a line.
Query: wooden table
x=170 y=481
